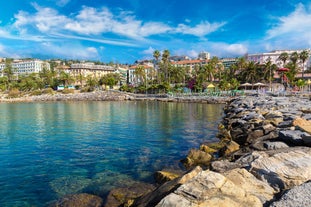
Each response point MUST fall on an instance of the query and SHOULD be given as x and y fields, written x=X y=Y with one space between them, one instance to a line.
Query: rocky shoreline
x=263 y=159
x=113 y=96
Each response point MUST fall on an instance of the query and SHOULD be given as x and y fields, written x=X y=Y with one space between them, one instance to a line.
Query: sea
x=52 y=149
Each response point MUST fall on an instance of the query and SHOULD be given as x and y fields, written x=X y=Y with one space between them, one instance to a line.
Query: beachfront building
x=227 y=62
x=24 y=67
x=273 y=56
x=190 y=64
x=204 y=55
x=90 y=69
x=133 y=77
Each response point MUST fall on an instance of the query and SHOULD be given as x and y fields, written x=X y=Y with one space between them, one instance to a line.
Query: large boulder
x=293 y=137
x=154 y=197
x=209 y=188
x=125 y=196
x=78 y=200
x=197 y=157
x=283 y=168
x=298 y=196
x=164 y=176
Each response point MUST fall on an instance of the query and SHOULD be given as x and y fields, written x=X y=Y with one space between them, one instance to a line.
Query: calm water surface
x=48 y=150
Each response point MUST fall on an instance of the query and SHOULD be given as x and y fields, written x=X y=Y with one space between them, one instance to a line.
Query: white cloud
x=62 y=3
x=67 y=50
x=200 y=30
x=98 y=21
x=293 y=30
x=149 y=51
x=44 y=20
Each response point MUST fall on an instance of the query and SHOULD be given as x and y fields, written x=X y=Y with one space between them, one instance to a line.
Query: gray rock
x=274 y=145
x=299 y=196
x=292 y=137
x=223 y=166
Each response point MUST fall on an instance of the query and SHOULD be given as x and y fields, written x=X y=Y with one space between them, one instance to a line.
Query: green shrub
x=48 y=91
x=36 y=93
x=87 y=89
x=14 y=93
x=68 y=91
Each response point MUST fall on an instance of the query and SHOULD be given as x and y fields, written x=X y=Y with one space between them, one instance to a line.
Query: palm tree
x=283 y=57
x=156 y=55
x=294 y=57
x=165 y=59
x=304 y=55
x=140 y=74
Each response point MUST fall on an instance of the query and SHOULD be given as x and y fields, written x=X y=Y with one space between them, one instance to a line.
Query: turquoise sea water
x=48 y=150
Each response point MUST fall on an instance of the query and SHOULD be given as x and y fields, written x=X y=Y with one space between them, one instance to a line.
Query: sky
x=124 y=31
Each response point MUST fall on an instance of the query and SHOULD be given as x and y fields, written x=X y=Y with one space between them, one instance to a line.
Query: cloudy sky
x=128 y=30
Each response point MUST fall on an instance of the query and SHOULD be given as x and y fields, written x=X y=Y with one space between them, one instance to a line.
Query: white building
x=23 y=67
x=89 y=68
x=204 y=56
x=263 y=58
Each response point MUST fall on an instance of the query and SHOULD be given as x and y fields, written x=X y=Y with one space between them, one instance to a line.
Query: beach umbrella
x=282 y=70
x=259 y=84
x=211 y=86
x=246 y=85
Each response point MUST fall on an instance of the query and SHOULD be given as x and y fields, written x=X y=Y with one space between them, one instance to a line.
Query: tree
x=156 y=55
x=283 y=57
x=165 y=59
x=66 y=78
x=8 y=71
x=140 y=74
x=294 y=57
x=110 y=79
x=304 y=55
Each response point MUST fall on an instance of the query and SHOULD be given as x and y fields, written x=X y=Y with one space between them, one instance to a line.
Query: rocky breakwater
x=88 y=96
x=263 y=158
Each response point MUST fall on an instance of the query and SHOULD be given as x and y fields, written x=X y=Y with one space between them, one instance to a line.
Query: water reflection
x=49 y=148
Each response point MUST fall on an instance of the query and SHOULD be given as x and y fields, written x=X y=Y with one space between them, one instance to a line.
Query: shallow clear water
x=48 y=150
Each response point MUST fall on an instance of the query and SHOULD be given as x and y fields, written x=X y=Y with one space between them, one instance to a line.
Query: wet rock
x=197 y=157
x=164 y=176
x=125 y=196
x=207 y=149
x=78 y=200
x=154 y=197
x=229 y=148
x=69 y=184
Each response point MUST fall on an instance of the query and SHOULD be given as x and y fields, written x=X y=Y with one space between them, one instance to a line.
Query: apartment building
x=273 y=56
x=90 y=69
x=204 y=55
x=23 y=67
x=189 y=63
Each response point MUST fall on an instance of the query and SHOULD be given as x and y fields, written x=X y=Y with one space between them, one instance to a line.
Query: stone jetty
x=263 y=158
x=114 y=95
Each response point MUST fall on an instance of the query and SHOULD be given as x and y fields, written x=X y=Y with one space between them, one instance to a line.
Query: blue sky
x=127 y=30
